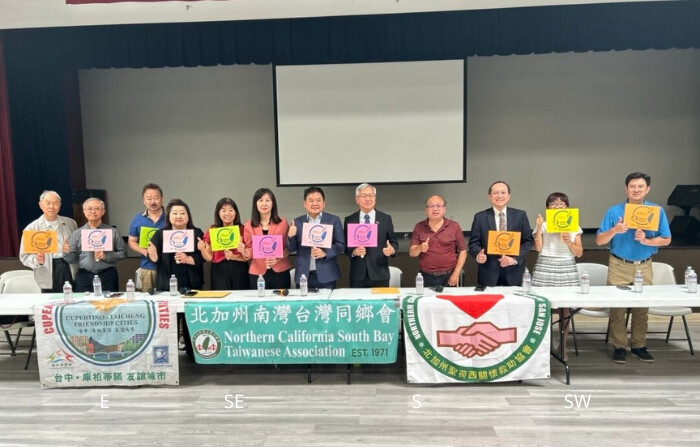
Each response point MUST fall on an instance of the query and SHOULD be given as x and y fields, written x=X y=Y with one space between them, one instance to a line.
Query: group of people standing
x=437 y=242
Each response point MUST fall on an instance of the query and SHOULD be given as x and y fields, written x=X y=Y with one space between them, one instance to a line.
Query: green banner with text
x=323 y=331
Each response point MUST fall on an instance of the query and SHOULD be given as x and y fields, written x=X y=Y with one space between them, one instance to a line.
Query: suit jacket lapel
x=491 y=217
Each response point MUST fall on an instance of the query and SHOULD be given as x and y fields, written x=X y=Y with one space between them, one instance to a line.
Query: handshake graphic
x=476 y=339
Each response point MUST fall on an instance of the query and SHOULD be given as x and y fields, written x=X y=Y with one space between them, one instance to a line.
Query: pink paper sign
x=98 y=239
x=267 y=246
x=362 y=235
x=178 y=240
x=316 y=235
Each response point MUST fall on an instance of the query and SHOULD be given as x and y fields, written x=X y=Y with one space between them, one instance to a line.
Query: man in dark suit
x=369 y=266
x=500 y=270
x=320 y=265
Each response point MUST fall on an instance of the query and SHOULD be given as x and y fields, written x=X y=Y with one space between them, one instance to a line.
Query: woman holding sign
x=222 y=244
x=172 y=249
x=265 y=237
x=556 y=263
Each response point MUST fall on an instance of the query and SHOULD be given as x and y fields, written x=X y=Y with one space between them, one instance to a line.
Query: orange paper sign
x=642 y=217
x=40 y=241
x=504 y=243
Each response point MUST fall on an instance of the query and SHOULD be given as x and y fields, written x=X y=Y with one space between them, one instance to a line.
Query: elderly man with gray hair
x=99 y=262
x=51 y=270
x=369 y=266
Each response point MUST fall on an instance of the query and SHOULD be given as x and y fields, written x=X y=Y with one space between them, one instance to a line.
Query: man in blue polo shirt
x=631 y=250
x=152 y=217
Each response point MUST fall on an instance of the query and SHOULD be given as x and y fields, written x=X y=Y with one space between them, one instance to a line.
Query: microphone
x=439 y=288
x=283 y=292
x=151 y=291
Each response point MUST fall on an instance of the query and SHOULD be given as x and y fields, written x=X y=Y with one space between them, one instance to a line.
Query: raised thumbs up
x=388 y=250
x=292 y=229
x=481 y=257
x=425 y=246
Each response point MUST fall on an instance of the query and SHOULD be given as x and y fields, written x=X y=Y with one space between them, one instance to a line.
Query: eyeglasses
x=435 y=206
x=91 y=209
x=556 y=205
x=367 y=196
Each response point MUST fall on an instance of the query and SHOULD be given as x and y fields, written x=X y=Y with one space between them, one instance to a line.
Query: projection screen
x=397 y=122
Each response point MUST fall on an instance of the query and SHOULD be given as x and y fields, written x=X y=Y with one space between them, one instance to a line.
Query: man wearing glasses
x=369 y=266
x=438 y=243
x=497 y=270
x=91 y=263
x=631 y=250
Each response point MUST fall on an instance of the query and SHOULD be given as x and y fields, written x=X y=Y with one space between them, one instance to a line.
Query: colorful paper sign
x=316 y=235
x=224 y=238
x=503 y=243
x=97 y=239
x=145 y=235
x=267 y=246
x=564 y=220
x=642 y=217
x=109 y=342
x=178 y=240
x=308 y=331
x=362 y=235
x=40 y=241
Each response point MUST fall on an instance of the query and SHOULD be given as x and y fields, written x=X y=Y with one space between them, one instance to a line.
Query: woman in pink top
x=265 y=221
x=229 y=269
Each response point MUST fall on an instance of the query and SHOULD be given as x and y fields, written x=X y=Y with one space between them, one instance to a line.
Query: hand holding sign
x=318 y=253
x=360 y=251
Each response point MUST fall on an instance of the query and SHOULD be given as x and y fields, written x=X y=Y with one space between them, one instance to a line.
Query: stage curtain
x=9 y=234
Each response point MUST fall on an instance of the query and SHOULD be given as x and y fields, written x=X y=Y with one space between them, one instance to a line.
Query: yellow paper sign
x=504 y=243
x=642 y=217
x=40 y=241
x=145 y=235
x=224 y=238
x=562 y=220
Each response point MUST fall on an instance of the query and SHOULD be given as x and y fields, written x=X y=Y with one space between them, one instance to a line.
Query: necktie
x=366 y=218
x=501 y=221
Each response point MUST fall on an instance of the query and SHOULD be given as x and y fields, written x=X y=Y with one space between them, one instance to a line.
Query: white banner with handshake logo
x=107 y=342
x=476 y=338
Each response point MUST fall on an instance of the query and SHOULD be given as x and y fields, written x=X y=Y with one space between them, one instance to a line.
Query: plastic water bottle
x=687 y=272
x=527 y=281
x=261 y=286
x=638 y=282
x=585 y=283
x=97 y=286
x=419 y=284
x=692 y=282
x=173 y=285
x=67 y=293
x=303 y=285
x=130 y=290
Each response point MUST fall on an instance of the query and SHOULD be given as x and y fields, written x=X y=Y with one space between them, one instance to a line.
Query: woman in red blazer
x=265 y=221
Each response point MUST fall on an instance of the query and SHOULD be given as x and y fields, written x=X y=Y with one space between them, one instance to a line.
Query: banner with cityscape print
x=107 y=342
x=286 y=331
